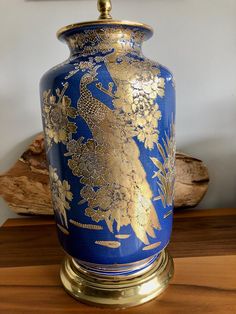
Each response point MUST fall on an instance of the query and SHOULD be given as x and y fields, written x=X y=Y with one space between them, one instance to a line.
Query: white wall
x=196 y=39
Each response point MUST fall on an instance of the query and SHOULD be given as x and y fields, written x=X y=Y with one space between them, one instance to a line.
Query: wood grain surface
x=204 y=251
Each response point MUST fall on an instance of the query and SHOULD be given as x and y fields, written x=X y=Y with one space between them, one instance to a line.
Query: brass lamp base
x=117 y=292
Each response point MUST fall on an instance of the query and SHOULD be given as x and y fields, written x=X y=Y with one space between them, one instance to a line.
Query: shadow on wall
x=10 y=158
x=220 y=157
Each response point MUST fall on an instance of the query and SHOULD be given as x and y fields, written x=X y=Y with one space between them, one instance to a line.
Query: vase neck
x=95 y=40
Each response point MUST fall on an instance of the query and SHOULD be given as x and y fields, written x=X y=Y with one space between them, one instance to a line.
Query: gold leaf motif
x=122 y=236
x=110 y=244
x=85 y=226
x=65 y=231
x=166 y=171
x=151 y=246
x=170 y=212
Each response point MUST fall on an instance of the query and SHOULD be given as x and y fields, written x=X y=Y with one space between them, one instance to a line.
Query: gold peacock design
x=115 y=189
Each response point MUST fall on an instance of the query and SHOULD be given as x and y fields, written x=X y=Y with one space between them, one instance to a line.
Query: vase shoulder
x=63 y=71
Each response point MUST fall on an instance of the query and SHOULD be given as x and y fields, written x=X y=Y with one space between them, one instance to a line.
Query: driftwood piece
x=25 y=187
x=192 y=181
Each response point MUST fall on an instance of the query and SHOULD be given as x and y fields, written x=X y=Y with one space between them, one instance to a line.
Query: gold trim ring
x=70 y=27
x=116 y=292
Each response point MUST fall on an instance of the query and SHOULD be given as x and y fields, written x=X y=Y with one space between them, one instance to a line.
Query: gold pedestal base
x=117 y=292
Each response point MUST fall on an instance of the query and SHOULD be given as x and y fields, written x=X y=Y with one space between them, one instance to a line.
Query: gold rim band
x=70 y=27
x=115 y=292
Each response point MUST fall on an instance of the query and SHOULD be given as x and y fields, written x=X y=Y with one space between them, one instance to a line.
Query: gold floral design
x=136 y=97
x=138 y=82
x=105 y=200
x=166 y=171
x=81 y=66
x=93 y=41
x=116 y=203
x=109 y=244
x=116 y=190
x=84 y=158
x=61 y=195
x=56 y=110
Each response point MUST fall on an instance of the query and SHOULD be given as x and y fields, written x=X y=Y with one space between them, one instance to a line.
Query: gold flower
x=84 y=157
x=150 y=84
x=148 y=135
x=158 y=85
x=141 y=104
x=55 y=114
x=146 y=113
x=135 y=101
x=117 y=203
x=85 y=65
x=61 y=195
x=108 y=203
x=154 y=116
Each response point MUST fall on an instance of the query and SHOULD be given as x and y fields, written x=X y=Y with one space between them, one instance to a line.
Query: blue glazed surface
x=80 y=242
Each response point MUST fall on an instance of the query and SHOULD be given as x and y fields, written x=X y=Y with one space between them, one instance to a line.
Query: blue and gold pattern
x=56 y=111
x=108 y=115
x=61 y=196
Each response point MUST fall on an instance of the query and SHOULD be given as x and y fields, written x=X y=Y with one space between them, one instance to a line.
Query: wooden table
x=203 y=246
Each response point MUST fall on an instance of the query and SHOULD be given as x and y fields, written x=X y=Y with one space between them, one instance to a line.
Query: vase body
x=109 y=122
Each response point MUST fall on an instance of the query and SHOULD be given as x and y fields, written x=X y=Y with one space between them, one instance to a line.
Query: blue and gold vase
x=109 y=122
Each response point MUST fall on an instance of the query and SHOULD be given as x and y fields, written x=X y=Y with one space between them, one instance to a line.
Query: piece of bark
x=25 y=187
x=192 y=180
